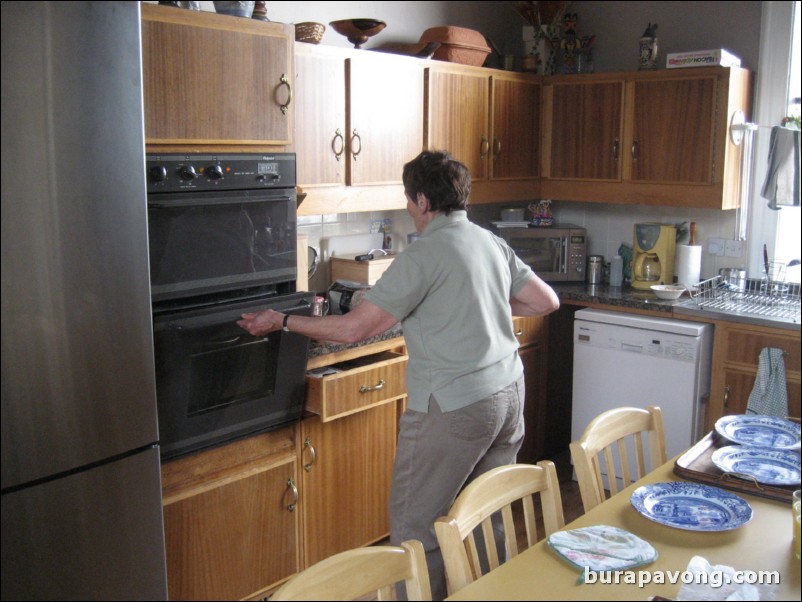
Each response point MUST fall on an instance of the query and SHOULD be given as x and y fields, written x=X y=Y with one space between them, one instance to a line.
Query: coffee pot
x=654 y=248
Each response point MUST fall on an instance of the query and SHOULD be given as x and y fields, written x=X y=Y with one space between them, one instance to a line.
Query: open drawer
x=355 y=385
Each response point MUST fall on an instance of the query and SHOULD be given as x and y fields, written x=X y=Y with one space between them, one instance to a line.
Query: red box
x=458 y=45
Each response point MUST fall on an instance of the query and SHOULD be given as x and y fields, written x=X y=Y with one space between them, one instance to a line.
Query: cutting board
x=350 y=245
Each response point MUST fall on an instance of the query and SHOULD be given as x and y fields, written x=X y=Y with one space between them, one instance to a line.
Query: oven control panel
x=175 y=172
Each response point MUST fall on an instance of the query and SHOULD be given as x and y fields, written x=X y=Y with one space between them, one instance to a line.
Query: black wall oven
x=222 y=239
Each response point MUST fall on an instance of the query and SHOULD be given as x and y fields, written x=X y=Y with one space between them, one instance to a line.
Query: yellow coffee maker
x=653 y=252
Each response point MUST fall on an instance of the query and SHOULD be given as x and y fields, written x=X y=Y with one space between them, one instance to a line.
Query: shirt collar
x=443 y=220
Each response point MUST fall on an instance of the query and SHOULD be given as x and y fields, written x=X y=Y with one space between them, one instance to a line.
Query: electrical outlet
x=715 y=246
x=733 y=248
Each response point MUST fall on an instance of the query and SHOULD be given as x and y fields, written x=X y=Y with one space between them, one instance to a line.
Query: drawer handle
x=294 y=489
x=312 y=454
x=519 y=333
x=379 y=385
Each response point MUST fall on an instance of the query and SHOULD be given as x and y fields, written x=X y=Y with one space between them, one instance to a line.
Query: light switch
x=733 y=248
x=715 y=246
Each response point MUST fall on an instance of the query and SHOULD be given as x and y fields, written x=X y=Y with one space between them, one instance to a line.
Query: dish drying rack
x=770 y=296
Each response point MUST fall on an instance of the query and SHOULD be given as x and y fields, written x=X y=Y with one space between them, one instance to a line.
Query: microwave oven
x=556 y=254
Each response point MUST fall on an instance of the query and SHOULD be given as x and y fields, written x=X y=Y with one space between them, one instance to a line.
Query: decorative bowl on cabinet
x=358 y=31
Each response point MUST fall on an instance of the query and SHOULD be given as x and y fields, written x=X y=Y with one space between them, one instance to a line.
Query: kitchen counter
x=640 y=300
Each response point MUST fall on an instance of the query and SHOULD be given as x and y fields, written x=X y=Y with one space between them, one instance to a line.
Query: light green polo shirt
x=451 y=289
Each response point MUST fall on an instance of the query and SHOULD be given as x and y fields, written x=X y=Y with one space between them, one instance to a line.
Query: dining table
x=763 y=543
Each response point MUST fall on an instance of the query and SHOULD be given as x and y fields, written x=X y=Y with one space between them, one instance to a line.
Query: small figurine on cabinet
x=571 y=46
x=648 y=48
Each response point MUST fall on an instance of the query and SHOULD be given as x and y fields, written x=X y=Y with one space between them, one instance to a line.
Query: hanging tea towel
x=781 y=186
x=769 y=395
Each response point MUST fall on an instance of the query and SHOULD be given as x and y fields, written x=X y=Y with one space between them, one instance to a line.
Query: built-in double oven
x=222 y=239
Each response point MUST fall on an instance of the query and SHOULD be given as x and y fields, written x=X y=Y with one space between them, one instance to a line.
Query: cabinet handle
x=496 y=147
x=338 y=135
x=355 y=153
x=312 y=454
x=726 y=396
x=376 y=387
x=291 y=484
x=519 y=333
x=286 y=82
x=484 y=148
x=635 y=150
x=616 y=145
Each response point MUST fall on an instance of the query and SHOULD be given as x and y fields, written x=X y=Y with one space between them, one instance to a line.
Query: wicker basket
x=311 y=33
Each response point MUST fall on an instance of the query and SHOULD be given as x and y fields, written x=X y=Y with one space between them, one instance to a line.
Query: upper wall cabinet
x=359 y=119
x=213 y=79
x=489 y=120
x=652 y=138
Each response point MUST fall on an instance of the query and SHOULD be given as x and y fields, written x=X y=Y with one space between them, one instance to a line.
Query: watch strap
x=284 y=325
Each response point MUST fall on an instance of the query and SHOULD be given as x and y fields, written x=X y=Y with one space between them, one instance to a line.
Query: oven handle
x=195 y=202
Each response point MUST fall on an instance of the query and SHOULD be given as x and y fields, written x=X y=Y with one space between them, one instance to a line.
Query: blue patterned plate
x=768 y=466
x=759 y=431
x=691 y=506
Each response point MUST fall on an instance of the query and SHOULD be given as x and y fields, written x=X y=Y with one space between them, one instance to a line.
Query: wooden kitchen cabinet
x=532 y=333
x=359 y=120
x=348 y=452
x=211 y=79
x=736 y=352
x=345 y=483
x=232 y=527
x=656 y=138
x=490 y=121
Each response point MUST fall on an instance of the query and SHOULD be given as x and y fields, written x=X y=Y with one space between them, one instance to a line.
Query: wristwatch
x=284 y=326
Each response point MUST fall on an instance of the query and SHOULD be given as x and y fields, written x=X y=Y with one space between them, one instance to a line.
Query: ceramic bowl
x=358 y=30
x=668 y=291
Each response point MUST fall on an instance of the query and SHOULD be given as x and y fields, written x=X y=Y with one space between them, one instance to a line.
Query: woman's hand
x=262 y=322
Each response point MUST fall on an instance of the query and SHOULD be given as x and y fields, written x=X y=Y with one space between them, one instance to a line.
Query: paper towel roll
x=689 y=264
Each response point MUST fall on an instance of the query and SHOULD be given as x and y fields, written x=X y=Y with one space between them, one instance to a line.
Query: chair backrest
x=491 y=492
x=360 y=572
x=613 y=446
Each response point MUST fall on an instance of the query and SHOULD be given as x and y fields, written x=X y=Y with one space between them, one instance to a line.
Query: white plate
x=691 y=506
x=759 y=431
x=766 y=465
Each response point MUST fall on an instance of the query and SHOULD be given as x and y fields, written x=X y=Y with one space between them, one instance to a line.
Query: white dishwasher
x=625 y=359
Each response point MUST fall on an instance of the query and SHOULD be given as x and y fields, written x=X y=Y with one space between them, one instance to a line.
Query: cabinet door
x=457 y=118
x=532 y=333
x=586 y=129
x=516 y=127
x=674 y=130
x=384 y=125
x=345 y=491
x=320 y=118
x=213 y=79
x=234 y=537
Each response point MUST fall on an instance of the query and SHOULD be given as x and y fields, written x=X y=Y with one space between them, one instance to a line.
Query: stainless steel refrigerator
x=81 y=491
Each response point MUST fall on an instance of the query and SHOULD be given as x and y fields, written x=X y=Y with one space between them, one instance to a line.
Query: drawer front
x=529 y=329
x=358 y=388
x=744 y=346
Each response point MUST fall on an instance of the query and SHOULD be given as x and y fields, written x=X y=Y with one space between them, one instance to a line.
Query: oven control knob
x=158 y=173
x=187 y=172
x=215 y=172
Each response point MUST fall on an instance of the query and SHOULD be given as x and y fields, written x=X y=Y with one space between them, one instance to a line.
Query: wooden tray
x=696 y=464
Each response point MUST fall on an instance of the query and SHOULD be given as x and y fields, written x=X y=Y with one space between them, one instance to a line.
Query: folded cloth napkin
x=769 y=396
x=781 y=186
x=717 y=582
x=602 y=548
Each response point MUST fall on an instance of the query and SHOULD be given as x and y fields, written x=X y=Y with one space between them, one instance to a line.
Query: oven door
x=215 y=382
x=207 y=242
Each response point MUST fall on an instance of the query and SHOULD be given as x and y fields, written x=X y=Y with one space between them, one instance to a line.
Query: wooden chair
x=611 y=437
x=495 y=491
x=356 y=573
